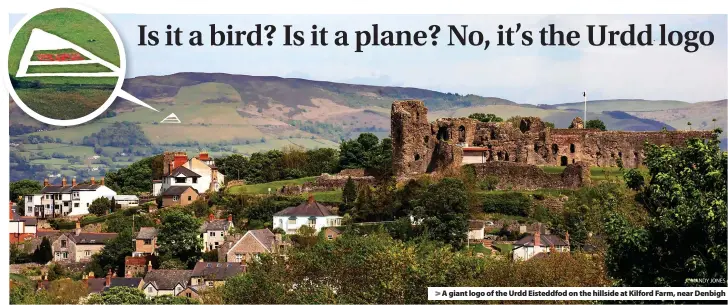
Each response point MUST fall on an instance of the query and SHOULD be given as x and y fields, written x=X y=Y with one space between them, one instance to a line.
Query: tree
x=485 y=117
x=172 y=263
x=549 y=124
x=170 y=299
x=349 y=192
x=685 y=236
x=113 y=254
x=595 y=124
x=690 y=125
x=66 y=291
x=179 y=237
x=119 y=295
x=44 y=253
x=100 y=206
x=443 y=209
x=634 y=179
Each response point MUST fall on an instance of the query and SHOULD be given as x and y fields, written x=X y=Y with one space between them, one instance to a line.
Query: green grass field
x=63 y=104
x=75 y=26
x=597 y=173
x=263 y=187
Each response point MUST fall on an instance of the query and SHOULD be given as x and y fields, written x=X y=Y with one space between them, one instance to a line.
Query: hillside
x=226 y=114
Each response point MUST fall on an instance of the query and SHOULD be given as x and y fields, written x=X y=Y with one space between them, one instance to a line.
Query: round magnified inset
x=65 y=65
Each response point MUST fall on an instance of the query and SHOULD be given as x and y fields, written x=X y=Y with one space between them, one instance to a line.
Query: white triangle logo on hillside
x=43 y=41
x=172 y=118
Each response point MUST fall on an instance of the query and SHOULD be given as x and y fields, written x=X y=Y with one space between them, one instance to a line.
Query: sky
x=525 y=74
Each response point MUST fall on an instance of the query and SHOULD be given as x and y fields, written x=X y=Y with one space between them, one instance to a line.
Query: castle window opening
x=417 y=157
x=507 y=158
x=572 y=148
x=525 y=126
x=427 y=139
x=442 y=134
x=564 y=161
x=500 y=155
x=573 y=161
x=535 y=147
x=492 y=134
x=461 y=134
x=554 y=149
x=620 y=155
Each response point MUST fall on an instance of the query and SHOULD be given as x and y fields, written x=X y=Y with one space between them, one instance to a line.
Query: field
x=263 y=187
x=63 y=104
x=597 y=173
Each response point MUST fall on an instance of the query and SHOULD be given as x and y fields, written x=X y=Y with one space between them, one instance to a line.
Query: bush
x=511 y=203
x=489 y=183
x=634 y=179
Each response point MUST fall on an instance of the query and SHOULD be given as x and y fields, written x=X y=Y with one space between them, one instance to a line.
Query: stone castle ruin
x=420 y=146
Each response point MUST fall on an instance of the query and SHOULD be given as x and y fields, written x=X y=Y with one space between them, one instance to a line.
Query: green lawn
x=505 y=249
x=597 y=173
x=479 y=248
x=262 y=188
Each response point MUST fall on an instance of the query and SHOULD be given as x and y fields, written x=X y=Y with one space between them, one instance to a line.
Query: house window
x=292 y=221
x=63 y=243
x=312 y=222
x=330 y=237
x=180 y=180
x=212 y=234
x=65 y=254
x=147 y=241
x=238 y=258
x=175 y=198
x=189 y=295
x=30 y=209
x=194 y=180
x=87 y=252
x=217 y=245
x=75 y=205
x=150 y=289
x=189 y=198
x=209 y=283
x=65 y=204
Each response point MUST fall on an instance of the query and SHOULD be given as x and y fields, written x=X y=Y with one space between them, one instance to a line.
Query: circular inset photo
x=64 y=65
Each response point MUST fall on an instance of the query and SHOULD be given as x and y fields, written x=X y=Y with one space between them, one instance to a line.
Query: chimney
x=84 y=280
x=108 y=278
x=566 y=237
x=310 y=199
x=91 y=275
x=128 y=274
x=102 y=180
x=78 y=227
x=45 y=182
x=537 y=241
x=230 y=217
x=149 y=266
x=204 y=156
x=93 y=180
x=180 y=158
x=73 y=182
x=170 y=167
x=63 y=182
x=210 y=217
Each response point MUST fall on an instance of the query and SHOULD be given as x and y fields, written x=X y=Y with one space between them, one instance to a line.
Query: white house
x=165 y=282
x=84 y=194
x=21 y=228
x=126 y=201
x=310 y=213
x=476 y=229
x=199 y=172
x=533 y=245
x=213 y=232
x=53 y=200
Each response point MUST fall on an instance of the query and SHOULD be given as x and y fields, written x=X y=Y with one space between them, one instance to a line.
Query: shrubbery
x=511 y=203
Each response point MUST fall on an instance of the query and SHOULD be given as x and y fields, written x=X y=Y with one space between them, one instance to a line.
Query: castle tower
x=411 y=138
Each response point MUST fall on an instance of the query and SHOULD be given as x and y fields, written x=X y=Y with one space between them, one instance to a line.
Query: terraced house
x=65 y=199
x=213 y=231
x=79 y=246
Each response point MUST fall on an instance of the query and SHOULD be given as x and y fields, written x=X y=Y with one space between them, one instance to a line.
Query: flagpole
x=584 y=93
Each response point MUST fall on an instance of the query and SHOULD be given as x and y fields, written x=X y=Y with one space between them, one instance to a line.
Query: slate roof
x=125 y=282
x=167 y=279
x=28 y=220
x=215 y=225
x=86 y=187
x=91 y=238
x=476 y=224
x=310 y=208
x=55 y=189
x=147 y=233
x=265 y=236
x=546 y=241
x=213 y=271
x=96 y=285
x=183 y=171
x=177 y=190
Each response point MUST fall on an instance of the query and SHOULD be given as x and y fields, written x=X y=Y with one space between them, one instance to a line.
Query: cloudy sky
x=535 y=74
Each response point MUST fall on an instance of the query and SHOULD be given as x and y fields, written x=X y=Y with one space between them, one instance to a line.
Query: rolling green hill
x=226 y=114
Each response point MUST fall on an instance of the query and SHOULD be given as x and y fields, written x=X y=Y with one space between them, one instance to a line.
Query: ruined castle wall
x=412 y=140
x=518 y=176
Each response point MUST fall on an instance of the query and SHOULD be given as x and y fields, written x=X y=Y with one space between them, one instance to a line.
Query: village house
x=99 y=285
x=476 y=229
x=21 y=228
x=251 y=244
x=126 y=201
x=192 y=292
x=536 y=244
x=165 y=282
x=213 y=231
x=84 y=194
x=198 y=172
x=210 y=274
x=53 y=200
x=332 y=233
x=309 y=213
x=136 y=265
x=179 y=195
x=79 y=246
x=145 y=242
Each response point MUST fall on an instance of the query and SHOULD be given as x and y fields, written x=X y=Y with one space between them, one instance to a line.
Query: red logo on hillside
x=59 y=57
